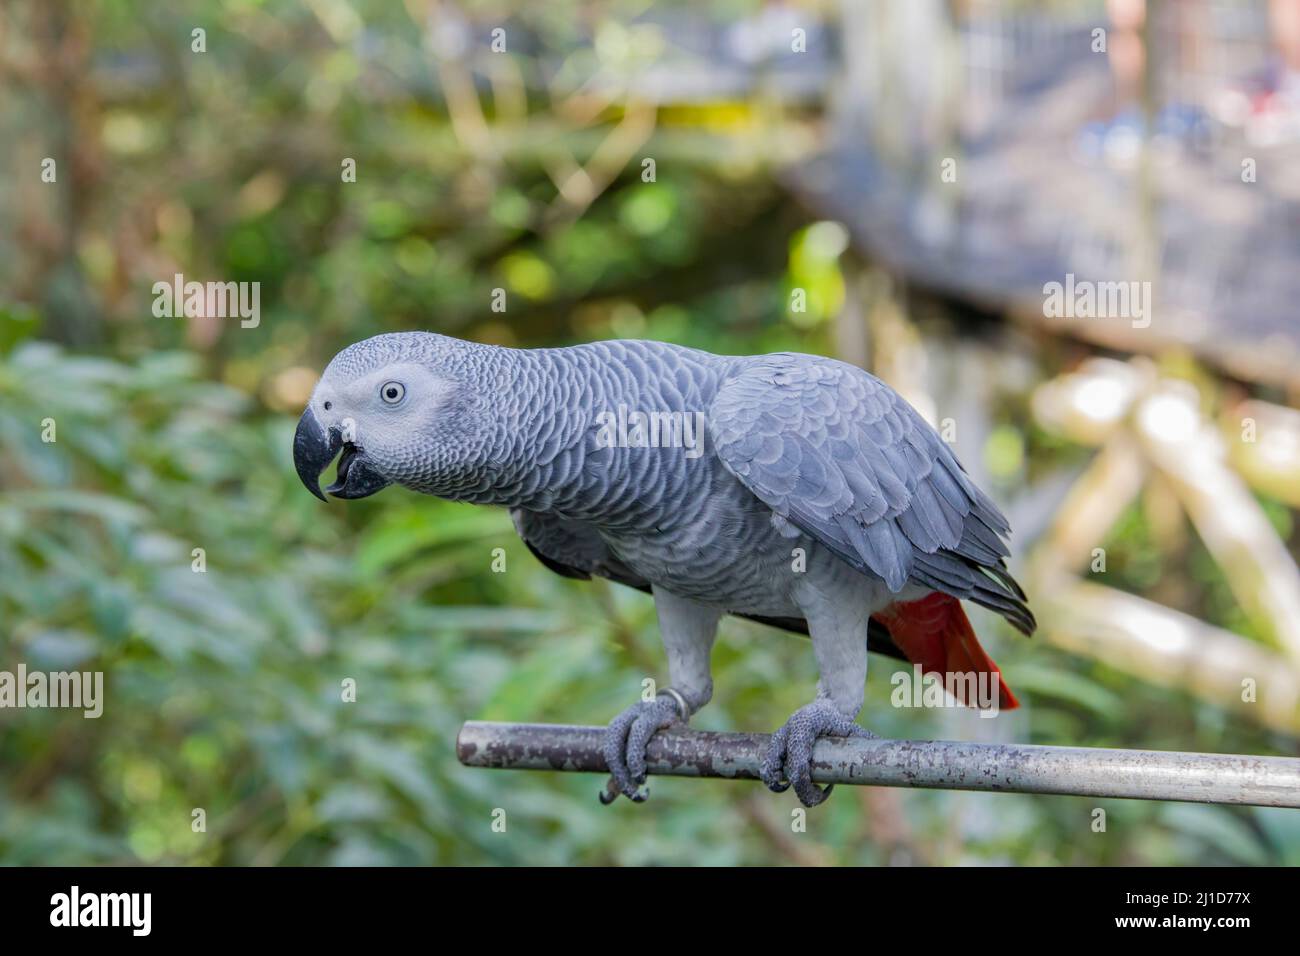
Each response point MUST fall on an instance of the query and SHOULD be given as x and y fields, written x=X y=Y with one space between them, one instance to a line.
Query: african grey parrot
x=790 y=489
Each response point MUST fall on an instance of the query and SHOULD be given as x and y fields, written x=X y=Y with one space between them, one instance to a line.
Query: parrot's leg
x=839 y=637
x=688 y=630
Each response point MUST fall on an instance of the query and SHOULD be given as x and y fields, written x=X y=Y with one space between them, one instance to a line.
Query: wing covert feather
x=842 y=456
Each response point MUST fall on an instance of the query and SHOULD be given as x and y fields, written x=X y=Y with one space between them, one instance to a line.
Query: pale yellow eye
x=392 y=392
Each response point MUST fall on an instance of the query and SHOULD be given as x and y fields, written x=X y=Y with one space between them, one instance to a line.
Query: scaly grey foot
x=626 y=738
x=789 y=755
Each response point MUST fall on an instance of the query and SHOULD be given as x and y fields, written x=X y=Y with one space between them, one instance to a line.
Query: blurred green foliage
x=224 y=688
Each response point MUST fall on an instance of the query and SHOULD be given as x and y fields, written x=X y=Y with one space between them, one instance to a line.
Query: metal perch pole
x=1019 y=768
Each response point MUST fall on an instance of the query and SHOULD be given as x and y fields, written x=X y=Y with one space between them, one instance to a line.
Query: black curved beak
x=313 y=449
x=315 y=446
x=355 y=478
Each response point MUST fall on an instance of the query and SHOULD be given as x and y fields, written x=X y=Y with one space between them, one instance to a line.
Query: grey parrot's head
x=404 y=408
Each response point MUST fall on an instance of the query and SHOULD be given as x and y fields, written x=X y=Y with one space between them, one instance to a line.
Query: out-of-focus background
x=893 y=183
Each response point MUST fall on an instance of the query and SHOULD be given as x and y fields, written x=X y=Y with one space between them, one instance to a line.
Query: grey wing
x=841 y=455
x=572 y=548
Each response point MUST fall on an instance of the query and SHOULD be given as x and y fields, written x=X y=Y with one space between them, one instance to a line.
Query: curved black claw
x=612 y=791
x=789 y=756
x=625 y=742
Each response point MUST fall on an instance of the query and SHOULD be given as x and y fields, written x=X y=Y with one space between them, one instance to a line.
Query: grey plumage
x=840 y=454
x=818 y=496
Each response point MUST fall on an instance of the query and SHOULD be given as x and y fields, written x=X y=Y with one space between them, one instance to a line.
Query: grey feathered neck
x=535 y=412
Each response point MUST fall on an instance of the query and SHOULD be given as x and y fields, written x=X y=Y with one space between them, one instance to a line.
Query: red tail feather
x=935 y=633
